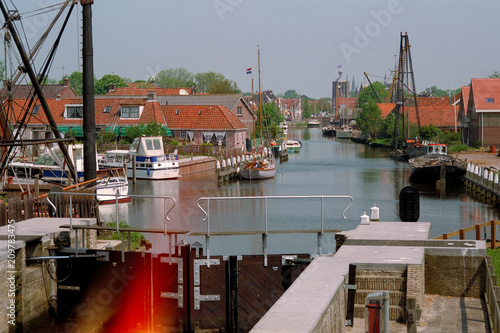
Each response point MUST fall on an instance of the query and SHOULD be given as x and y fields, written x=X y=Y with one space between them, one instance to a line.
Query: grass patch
x=135 y=237
x=457 y=148
x=495 y=259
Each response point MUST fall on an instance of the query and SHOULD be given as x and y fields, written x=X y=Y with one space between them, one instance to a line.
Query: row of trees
x=209 y=82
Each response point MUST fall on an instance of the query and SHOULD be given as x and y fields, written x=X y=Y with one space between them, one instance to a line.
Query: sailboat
x=265 y=166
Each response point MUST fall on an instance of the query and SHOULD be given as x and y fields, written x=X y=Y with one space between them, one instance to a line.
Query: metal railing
x=491 y=292
x=265 y=233
x=168 y=204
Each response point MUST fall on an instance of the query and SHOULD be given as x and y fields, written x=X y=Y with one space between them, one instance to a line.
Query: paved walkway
x=443 y=314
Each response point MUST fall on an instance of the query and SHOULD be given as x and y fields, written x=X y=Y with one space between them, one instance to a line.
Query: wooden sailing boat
x=264 y=167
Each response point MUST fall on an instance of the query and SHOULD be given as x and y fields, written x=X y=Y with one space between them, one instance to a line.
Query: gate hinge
x=203 y=298
x=178 y=295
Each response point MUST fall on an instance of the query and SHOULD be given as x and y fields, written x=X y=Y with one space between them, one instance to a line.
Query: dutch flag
x=249 y=70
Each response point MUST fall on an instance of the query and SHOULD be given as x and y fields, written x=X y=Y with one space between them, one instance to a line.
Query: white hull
x=151 y=161
x=257 y=173
x=344 y=134
x=156 y=171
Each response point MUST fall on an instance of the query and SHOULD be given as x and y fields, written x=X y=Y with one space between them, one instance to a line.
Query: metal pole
x=89 y=153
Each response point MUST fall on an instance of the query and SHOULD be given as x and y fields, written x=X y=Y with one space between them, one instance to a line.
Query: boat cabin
x=437 y=148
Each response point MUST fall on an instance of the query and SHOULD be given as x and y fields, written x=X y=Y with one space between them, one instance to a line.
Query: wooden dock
x=482 y=183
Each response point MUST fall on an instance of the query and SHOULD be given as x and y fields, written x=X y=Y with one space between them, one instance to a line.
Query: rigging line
x=23 y=125
x=37 y=46
x=40 y=9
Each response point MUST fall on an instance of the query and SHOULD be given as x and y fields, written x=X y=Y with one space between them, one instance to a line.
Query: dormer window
x=199 y=112
x=74 y=111
x=130 y=111
x=35 y=110
x=107 y=109
x=490 y=100
x=177 y=111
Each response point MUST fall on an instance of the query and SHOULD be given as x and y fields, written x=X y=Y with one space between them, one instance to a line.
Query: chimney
x=152 y=96
x=112 y=87
x=66 y=82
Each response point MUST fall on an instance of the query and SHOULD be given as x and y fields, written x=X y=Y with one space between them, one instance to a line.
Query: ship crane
x=404 y=83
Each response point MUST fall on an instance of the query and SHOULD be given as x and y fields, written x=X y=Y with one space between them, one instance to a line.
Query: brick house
x=482 y=113
x=233 y=102
x=200 y=124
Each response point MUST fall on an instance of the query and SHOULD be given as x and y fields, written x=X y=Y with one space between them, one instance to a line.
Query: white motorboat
x=151 y=163
x=293 y=145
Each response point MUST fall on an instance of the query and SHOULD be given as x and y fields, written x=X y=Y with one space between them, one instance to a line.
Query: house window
x=35 y=110
x=130 y=112
x=74 y=112
x=239 y=111
x=107 y=109
x=490 y=100
x=183 y=135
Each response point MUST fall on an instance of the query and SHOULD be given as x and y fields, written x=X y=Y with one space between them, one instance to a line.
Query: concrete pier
x=316 y=301
x=31 y=288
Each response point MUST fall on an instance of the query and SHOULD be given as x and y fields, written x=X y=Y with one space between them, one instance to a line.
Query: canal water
x=324 y=167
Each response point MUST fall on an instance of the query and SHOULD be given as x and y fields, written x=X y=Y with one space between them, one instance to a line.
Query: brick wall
x=333 y=319
x=457 y=276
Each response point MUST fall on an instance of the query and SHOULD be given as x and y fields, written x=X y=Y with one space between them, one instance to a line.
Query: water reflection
x=324 y=166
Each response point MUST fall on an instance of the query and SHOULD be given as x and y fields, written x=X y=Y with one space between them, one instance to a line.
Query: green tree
x=133 y=132
x=223 y=87
x=154 y=129
x=368 y=94
x=214 y=83
x=494 y=75
x=271 y=118
x=306 y=109
x=105 y=137
x=323 y=105
x=290 y=94
x=76 y=82
x=429 y=132
x=175 y=78
x=370 y=119
x=101 y=86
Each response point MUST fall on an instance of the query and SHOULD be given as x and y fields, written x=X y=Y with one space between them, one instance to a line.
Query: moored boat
x=344 y=132
x=329 y=131
x=313 y=123
x=151 y=163
x=293 y=145
x=259 y=169
x=437 y=164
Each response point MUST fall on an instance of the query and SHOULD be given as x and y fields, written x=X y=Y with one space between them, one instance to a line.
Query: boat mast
x=253 y=115
x=38 y=90
x=89 y=133
x=260 y=98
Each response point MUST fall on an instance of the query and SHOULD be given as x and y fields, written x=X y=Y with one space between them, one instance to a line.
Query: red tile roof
x=151 y=111
x=386 y=108
x=200 y=117
x=486 y=94
x=439 y=115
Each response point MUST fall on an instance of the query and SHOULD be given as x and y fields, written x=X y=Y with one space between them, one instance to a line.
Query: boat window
x=126 y=158
x=149 y=144
x=45 y=160
x=118 y=158
x=135 y=144
x=157 y=144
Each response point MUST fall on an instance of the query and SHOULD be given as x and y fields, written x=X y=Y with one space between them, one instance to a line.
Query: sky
x=302 y=43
